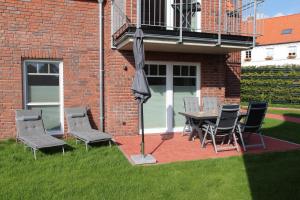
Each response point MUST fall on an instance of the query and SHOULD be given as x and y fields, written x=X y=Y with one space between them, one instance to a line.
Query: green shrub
x=271 y=83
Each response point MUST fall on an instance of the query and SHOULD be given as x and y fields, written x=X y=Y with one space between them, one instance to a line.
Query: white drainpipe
x=101 y=100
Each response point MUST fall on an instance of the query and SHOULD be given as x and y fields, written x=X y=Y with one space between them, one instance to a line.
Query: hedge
x=271 y=83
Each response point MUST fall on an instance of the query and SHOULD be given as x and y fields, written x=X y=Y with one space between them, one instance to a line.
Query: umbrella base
x=143 y=159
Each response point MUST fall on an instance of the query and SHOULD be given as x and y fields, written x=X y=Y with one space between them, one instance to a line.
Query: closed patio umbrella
x=141 y=91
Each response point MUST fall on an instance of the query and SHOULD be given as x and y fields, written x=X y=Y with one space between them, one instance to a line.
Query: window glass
x=184 y=85
x=146 y=69
x=32 y=68
x=42 y=91
x=184 y=70
x=153 y=70
x=162 y=70
x=155 y=108
x=43 y=88
x=43 y=68
x=54 y=68
x=192 y=70
x=270 y=52
x=286 y=31
x=176 y=70
x=248 y=54
x=292 y=50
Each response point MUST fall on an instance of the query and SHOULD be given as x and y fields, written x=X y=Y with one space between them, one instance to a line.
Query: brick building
x=62 y=53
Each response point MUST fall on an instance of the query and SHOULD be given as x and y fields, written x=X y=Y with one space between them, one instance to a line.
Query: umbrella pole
x=142 y=128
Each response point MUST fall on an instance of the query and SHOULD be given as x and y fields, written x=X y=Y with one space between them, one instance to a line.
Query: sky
x=273 y=8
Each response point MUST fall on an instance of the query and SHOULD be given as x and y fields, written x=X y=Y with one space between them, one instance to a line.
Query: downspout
x=101 y=67
x=254 y=23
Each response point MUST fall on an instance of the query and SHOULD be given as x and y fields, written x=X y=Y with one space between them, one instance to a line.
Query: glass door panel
x=184 y=85
x=155 y=108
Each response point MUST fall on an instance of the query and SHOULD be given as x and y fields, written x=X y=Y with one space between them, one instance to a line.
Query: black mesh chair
x=253 y=122
x=224 y=127
x=191 y=104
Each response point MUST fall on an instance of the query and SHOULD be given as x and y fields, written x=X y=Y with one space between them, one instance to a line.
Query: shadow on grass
x=55 y=150
x=275 y=175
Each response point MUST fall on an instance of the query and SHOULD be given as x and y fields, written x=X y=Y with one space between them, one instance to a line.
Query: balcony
x=189 y=26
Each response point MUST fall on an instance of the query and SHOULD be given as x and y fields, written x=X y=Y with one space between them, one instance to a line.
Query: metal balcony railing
x=232 y=17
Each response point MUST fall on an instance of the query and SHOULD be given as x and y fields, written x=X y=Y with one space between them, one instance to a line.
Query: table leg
x=196 y=130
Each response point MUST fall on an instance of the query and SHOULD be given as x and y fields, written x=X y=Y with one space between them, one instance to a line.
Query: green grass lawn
x=277 y=105
x=290 y=113
x=104 y=173
x=282 y=130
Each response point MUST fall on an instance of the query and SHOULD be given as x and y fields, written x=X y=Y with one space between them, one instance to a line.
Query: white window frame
x=248 y=54
x=26 y=104
x=292 y=50
x=169 y=94
x=270 y=52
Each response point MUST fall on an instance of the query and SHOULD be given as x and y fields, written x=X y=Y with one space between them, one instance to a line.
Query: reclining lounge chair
x=80 y=127
x=31 y=131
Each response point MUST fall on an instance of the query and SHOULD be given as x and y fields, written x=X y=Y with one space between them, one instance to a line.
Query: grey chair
x=210 y=104
x=253 y=122
x=31 y=131
x=191 y=104
x=79 y=127
x=224 y=127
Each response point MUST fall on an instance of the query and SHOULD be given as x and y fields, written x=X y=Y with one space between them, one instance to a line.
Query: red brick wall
x=46 y=29
x=68 y=30
x=121 y=110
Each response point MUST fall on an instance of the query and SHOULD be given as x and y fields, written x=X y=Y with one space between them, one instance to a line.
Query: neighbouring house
x=56 y=54
x=279 y=43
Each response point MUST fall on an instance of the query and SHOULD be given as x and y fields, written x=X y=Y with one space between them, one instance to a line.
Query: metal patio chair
x=253 y=122
x=224 y=127
x=191 y=104
x=79 y=126
x=31 y=131
x=210 y=104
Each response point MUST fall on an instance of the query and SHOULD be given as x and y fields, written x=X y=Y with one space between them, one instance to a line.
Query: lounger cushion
x=41 y=141
x=91 y=135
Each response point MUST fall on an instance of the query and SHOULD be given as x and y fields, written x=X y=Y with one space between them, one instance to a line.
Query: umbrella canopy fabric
x=140 y=86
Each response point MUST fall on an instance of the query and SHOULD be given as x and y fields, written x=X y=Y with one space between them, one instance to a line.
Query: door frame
x=169 y=93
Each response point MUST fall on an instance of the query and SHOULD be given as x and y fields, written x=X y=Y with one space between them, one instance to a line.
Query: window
x=248 y=55
x=42 y=90
x=292 y=52
x=286 y=31
x=270 y=53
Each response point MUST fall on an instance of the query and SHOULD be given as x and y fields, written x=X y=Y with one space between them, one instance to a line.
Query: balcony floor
x=167 y=148
x=163 y=40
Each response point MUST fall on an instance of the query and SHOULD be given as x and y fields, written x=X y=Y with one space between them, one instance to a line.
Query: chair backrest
x=77 y=119
x=228 y=116
x=255 y=116
x=191 y=104
x=29 y=122
x=210 y=104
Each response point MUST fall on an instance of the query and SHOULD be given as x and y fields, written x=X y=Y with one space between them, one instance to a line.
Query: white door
x=169 y=84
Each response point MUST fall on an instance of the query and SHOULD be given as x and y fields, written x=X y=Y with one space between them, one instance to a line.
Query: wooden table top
x=205 y=115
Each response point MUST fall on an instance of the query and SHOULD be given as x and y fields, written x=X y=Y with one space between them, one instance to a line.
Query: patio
x=168 y=148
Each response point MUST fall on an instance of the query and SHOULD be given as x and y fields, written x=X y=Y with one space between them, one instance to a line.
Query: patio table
x=197 y=118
